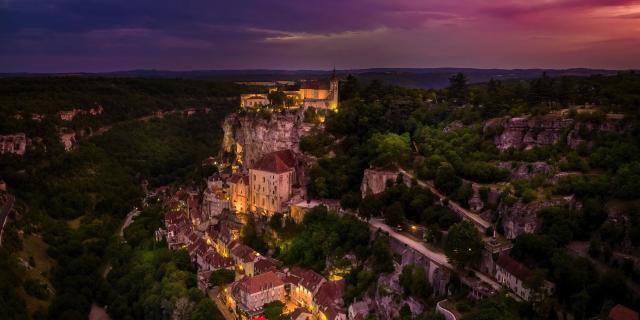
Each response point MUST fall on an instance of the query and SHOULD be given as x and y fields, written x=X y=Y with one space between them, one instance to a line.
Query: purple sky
x=109 y=35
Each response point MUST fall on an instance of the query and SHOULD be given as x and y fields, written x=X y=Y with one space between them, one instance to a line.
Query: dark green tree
x=463 y=245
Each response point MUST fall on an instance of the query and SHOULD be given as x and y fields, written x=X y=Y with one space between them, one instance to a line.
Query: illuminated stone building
x=271 y=182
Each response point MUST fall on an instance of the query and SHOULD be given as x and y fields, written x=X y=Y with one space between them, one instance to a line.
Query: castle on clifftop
x=318 y=94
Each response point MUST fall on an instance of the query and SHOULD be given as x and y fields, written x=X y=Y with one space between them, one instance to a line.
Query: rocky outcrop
x=521 y=218
x=453 y=126
x=67 y=138
x=374 y=181
x=251 y=136
x=527 y=131
x=527 y=170
x=14 y=143
x=611 y=123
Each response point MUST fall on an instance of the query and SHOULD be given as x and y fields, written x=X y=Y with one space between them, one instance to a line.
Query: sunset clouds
x=101 y=35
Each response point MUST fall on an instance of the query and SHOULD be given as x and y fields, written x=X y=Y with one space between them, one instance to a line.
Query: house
x=178 y=229
x=303 y=286
x=14 y=143
x=214 y=199
x=620 y=312
x=271 y=182
x=264 y=264
x=514 y=274
x=253 y=100
x=239 y=192
x=244 y=258
x=329 y=301
x=249 y=294
x=214 y=261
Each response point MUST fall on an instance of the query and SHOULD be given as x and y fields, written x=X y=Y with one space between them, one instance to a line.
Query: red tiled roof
x=330 y=294
x=277 y=162
x=263 y=265
x=217 y=261
x=260 y=282
x=244 y=253
x=620 y=312
x=514 y=267
x=307 y=278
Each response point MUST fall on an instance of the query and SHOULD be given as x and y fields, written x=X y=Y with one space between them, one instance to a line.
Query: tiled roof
x=620 y=312
x=260 y=282
x=514 y=267
x=263 y=265
x=307 y=278
x=217 y=261
x=244 y=253
x=277 y=162
x=330 y=294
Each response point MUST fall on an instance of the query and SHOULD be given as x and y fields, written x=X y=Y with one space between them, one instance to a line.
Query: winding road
x=437 y=257
x=469 y=215
x=4 y=214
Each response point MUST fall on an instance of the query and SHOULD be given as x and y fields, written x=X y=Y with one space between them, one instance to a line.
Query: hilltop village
x=322 y=199
x=264 y=173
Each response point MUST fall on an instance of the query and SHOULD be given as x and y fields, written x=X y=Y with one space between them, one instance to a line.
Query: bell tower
x=333 y=90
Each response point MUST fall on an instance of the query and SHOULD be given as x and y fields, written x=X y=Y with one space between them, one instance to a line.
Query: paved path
x=128 y=220
x=437 y=257
x=4 y=213
x=481 y=223
x=214 y=295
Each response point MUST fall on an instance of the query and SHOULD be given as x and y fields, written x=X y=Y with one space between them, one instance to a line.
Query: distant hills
x=406 y=77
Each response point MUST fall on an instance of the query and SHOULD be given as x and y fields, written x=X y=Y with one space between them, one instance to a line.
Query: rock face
x=523 y=218
x=374 y=181
x=68 y=139
x=526 y=170
x=528 y=131
x=251 y=136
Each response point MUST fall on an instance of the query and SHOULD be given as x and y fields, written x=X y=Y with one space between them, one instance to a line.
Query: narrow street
x=214 y=295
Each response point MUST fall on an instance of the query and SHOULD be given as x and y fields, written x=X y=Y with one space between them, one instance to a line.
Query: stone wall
x=374 y=181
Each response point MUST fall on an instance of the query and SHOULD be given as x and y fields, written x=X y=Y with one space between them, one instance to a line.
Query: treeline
x=121 y=98
x=98 y=183
x=148 y=281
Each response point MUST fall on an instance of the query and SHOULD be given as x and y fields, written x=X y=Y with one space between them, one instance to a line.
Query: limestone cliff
x=525 y=132
x=251 y=136
x=528 y=131
x=526 y=170
x=521 y=218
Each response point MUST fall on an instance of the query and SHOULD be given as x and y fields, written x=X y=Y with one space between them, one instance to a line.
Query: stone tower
x=333 y=91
